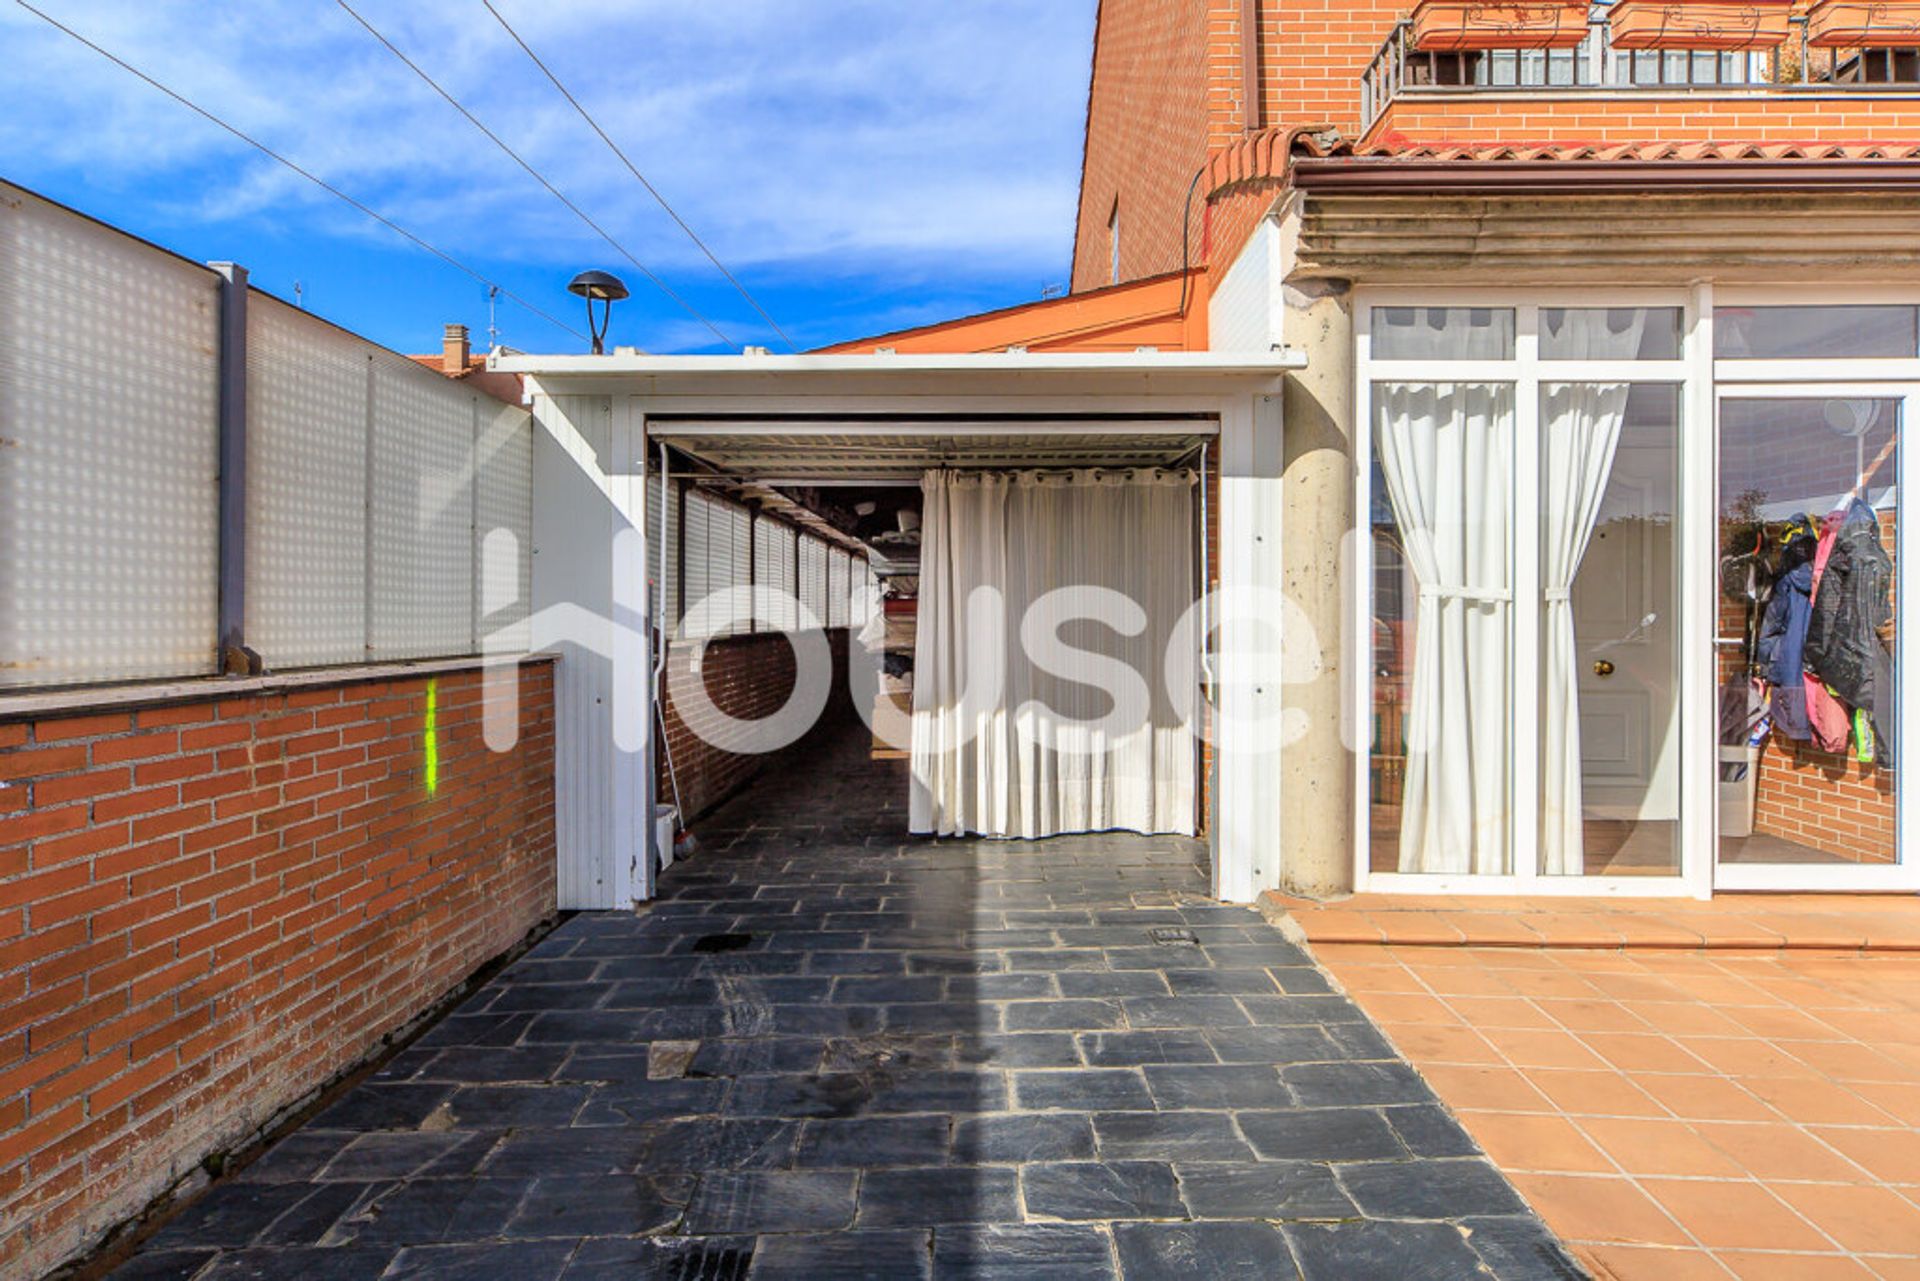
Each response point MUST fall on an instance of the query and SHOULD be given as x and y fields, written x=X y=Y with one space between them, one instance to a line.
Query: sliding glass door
x=1524 y=700
x=1811 y=655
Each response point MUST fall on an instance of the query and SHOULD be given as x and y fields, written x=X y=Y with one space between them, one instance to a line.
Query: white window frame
x=1867 y=377
x=1694 y=587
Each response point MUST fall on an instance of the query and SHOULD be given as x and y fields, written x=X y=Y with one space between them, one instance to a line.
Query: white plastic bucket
x=666 y=821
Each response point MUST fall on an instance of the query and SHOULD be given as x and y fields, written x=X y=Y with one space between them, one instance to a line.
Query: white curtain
x=1579 y=431
x=1008 y=739
x=1446 y=451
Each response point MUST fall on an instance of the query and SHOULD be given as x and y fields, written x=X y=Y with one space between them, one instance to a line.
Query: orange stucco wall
x=1638 y=116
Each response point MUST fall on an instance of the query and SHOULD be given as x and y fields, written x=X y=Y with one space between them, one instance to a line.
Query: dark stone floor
x=829 y=1051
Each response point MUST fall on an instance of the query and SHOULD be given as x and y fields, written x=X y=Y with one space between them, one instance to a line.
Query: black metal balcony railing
x=1596 y=64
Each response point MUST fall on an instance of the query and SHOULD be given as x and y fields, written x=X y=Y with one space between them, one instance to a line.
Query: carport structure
x=773 y=422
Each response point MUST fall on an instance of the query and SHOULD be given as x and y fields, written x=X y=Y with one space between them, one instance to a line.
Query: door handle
x=1602 y=667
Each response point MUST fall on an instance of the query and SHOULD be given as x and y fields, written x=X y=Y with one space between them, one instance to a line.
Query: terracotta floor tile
x=1358 y=978
x=1687 y=1018
x=1487 y=1012
x=1397 y=1007
x=1734 y=1215
x=1581 y=1092
x=1815 y=1102
x=1782 y=1024
x=1639 y=987
x=1746 y=1057
x=1531 y=1048
x=1642 y=1052
x=1852 y=1061
x=1554 y=983
x=1891 y=1155
x=1902 y=1269
x=1659 y=1148
x=1484 y=1088
x=1493 y=927
x=1535 y=1142
x=1464 y=980
x=1572 y=929
x=1592 y=1015
x=1867 y=1219
x=1749 y=1266
x=1902 y=1101
x=1650 y=1263
x=1426 y=1043
x=1705 y=1098
x=1598 y=1208
x=1777 y=1150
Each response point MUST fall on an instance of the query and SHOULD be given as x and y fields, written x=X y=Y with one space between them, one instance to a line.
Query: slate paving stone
x=1347 y=1084
x=1101 y=1089
x=573 y=1206
x=1402 y=1251
x=1020 y=1139
x=1192 y=1136
x=762 y=1201
x=1023 y=1252
x=1218 y=1251
x=1327 y=1134
x=1130 y=1049
x=1428 y=1189
x=1262 y=1190
x=1233 y=1086
x=843 y=1256
x=875 y=1142
x=1102 y=1191
x=979 y=1194
x=924 y=1059
x=488 y=1261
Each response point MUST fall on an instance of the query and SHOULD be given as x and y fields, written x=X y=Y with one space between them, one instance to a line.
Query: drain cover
x=721 y=942
x=1174 y=936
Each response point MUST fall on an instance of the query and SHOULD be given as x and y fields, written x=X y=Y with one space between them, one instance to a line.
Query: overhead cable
x=537 y=176
x=642 y=178
x=311 y=177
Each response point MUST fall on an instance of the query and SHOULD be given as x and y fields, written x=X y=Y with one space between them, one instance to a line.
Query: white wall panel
x=839 y=584
x=1244 y=313
x=306 y=488
x=813 y=579
x=423 y=516
x=108 y=453
x=773 y=568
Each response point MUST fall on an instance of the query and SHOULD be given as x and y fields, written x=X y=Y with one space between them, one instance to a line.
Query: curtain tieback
x=1472 y=595
x=1556 y=595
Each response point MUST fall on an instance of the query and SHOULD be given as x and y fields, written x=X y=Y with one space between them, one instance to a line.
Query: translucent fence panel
x=504 y=526
x=306 y=488
x=667 y=586
x=813 y=579
x=773 y=567
x=839 y=584
x=108 y=453
x=423 y=513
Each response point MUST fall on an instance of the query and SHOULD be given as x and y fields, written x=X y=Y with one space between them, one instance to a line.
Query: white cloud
x=823 y=139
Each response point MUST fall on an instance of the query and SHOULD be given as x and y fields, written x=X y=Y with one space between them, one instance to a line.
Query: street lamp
x=608 y=290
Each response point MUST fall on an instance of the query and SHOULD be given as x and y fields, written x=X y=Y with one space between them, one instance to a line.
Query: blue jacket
x=1781 y=649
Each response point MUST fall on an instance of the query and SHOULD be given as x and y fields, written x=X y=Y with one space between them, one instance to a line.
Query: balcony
x=1484 y=50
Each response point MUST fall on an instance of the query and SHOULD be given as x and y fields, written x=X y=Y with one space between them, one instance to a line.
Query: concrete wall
x=210 y=907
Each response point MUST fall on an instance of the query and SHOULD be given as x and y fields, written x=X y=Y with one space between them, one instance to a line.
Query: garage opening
x=1011 y=608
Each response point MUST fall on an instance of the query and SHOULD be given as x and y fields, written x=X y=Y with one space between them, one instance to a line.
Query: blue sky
x=860 y=165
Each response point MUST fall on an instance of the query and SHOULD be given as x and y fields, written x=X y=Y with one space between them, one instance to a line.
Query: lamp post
x=607 y=289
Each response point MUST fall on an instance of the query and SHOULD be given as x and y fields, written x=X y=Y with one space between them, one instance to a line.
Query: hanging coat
x=1849 y=606
x=1781 y=647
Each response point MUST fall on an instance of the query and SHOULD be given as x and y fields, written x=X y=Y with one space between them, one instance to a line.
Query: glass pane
x=1785 y=333
x=1809 y=517
x=1609 y=692
x=1442 y=529
x=1443 y=333
x=1610 y=333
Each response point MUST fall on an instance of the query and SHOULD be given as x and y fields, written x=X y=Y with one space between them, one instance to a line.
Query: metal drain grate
x=712 y=1263
x=1174 y=936
x=721 y=942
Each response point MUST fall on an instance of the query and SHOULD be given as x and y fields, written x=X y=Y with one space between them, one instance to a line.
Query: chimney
x=453 y=350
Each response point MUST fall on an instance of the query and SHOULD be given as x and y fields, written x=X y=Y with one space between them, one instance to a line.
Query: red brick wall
x=210 y=908
x=747 y=677
x=1147 y=132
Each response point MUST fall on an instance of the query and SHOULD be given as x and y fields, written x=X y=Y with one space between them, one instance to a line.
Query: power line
x=634 y=170
x=317 y=181
x=557 y=194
